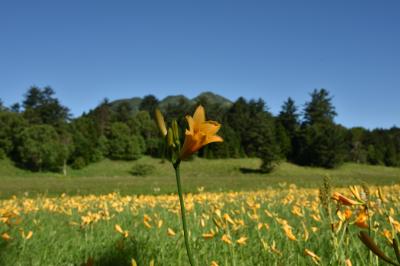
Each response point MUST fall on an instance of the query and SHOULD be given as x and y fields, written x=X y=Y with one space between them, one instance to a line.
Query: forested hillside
x=39 y=133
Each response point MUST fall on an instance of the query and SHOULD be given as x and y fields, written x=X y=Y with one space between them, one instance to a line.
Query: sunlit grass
x=215 y=175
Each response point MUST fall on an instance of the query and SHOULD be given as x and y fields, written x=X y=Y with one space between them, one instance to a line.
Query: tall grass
x=228 y=228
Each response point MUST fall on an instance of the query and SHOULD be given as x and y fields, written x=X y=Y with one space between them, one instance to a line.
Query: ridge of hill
x=207 y=96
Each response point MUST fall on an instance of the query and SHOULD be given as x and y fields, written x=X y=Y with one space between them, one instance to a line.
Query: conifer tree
x=320 y=108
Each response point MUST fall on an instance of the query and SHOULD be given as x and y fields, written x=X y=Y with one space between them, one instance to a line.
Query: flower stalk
x=183 y=212
x=199 y=134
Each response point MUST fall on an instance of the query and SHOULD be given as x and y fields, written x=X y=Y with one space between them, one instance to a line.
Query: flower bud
x=161 y=123
x=175 y=130
x=170 y=138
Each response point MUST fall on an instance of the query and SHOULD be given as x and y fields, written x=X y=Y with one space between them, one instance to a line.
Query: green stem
x=183 y=213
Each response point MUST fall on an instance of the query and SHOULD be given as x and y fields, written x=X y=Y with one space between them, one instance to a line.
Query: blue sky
x=89 y=50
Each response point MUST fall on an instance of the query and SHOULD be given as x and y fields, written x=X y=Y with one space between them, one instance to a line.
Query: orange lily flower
x=200 y=133
x=347 y=214
x=362 y=219
x=344 y=200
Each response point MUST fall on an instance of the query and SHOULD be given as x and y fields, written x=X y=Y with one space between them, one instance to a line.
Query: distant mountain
x=209 y=97
x=174 y=100
x=213 y=98
x=134 y=103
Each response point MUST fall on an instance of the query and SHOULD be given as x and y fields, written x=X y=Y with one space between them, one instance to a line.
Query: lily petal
x=191 y=123
x=213 y=139
x=210 y=127
x=199 y=115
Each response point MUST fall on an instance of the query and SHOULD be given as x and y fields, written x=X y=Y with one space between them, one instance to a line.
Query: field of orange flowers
x=281 y=226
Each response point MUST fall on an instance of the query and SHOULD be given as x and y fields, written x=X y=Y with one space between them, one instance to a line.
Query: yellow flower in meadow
x=386 y=233
x=242 y=240
x=202 y=222
x=313 y=256
x=289 y=233
x=171 y=232
x=118 y=228
x=146 y=221
x=341 y=215
x=160 y=223
x=5 y=236
x=200 y=133
x=362 y=219
x=259 y=226
x=29 y=235
x=314 y=229
x=226 y=239
x=348 y=262
x=296 y=210
x=208 y=235
x=394 y=223
x=228 y=219
x=316 y=217
x=268 y=213
x=147 y=224
x=275 y=249
x=214 y=263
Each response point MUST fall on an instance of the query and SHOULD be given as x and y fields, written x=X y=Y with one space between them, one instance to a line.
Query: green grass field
x=214 y=175
x=266 y=227
x=242 y=217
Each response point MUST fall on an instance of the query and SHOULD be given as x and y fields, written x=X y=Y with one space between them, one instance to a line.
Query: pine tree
x=149 y=104
x=256 y=130
x=321 y=145
x=41 y=107
x=103 y=117
x=287 y=126
x=320 y=108
x=288 y=117
x=320 y=141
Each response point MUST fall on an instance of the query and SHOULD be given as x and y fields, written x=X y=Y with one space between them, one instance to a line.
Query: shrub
x=142 y=169
x=78 y=163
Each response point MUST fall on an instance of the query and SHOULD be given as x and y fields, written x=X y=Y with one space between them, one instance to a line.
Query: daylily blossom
x=356 y=193
x=200 y=133
x=313 y=256
x=362 y=219
x=242 y=240
x=347 y=214
x=226 y=239
x=344 y=200
x=171 y=232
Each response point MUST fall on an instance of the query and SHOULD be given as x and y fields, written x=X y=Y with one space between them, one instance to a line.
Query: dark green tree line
x=40 y=134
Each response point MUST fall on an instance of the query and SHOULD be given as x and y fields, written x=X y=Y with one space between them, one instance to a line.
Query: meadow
x=285 y=226
x=110 y=176
x=102 y=215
